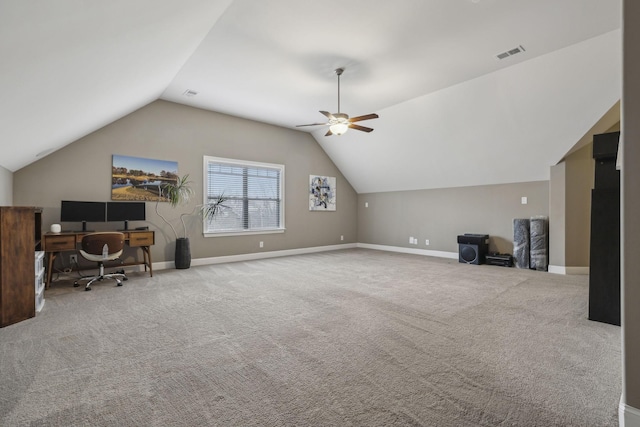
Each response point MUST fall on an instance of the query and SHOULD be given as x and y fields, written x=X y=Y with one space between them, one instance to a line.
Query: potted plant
x=179 y=193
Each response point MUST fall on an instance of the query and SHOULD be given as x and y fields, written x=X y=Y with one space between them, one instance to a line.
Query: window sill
x=244 y=233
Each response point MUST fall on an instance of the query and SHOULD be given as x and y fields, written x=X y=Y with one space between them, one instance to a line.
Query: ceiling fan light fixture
x=339 y=123
x=339 y=128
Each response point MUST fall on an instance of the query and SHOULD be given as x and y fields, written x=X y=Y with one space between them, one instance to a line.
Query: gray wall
x=580 y=179
x=169 y=131
x=6 y=187
x=440 y=215
x=557 y=215
x=631 y=204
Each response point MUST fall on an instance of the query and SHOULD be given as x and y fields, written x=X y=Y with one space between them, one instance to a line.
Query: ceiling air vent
x=510 y=52
x=189 y=92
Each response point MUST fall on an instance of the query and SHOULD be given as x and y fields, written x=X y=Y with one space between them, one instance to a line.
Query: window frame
x=249 y=164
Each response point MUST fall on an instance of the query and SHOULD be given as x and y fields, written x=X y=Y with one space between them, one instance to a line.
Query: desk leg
x=51 y=256
x=146 y=253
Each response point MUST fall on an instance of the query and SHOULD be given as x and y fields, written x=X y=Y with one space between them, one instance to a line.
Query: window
x=253 y=192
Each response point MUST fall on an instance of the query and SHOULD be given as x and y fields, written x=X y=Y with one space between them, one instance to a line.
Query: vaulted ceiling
x=451 y=113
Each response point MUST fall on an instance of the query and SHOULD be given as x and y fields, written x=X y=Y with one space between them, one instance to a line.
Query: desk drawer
x=59 y=243
x=141 y=238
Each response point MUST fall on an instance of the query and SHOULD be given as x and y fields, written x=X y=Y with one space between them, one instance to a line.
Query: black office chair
x=101 y=247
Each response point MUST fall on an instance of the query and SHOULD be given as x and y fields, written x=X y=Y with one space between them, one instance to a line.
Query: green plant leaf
x=211 y=208
x=179 y=193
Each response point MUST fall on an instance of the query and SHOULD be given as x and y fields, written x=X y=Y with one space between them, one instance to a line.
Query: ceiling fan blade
x=358 y=127
x=313 y=124
x=329 y=133
x=365 y=117
x=328 y=114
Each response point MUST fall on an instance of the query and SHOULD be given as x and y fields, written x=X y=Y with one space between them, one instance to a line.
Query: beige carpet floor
x=343 y=338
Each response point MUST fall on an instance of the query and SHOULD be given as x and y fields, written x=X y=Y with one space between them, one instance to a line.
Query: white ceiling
x=451 y=114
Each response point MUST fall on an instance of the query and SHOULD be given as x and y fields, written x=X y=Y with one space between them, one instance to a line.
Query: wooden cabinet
x=19 y=238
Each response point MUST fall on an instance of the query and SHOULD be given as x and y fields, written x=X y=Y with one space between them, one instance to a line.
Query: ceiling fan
x=339 y=122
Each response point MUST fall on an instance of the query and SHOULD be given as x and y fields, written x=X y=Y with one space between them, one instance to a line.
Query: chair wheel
x=87 y=288
x=75 y=284
x=119 y=283
x=125 y=278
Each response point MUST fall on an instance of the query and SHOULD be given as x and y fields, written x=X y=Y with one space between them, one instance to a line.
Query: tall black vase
x=183 y=253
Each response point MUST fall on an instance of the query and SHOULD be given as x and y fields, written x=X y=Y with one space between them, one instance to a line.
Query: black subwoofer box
x=473 y=248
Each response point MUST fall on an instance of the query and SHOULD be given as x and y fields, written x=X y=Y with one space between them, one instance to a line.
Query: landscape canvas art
x=137 y=178
x=322 y=193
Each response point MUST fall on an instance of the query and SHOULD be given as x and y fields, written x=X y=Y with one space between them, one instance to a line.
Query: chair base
x=117 y=276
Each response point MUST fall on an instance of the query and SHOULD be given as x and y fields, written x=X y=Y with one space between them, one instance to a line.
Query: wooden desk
x=54 y=243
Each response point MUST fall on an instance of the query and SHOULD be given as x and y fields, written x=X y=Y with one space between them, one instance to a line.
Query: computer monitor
x=73 y=211
x=126 y=211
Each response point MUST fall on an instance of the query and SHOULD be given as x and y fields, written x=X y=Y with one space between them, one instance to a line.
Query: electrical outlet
x=426 y=242
x=262 y=244
x=73 y=259
x=341 y=237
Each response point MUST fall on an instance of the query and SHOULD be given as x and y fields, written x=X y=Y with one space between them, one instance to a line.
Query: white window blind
x=253 y=192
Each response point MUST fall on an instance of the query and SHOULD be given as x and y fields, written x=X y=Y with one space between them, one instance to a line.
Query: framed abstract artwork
x=322 y=193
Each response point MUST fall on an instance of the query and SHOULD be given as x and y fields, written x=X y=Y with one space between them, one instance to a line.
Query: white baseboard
x=559 y=269
x=288 y=252
x=256 y=255
x=426 y=252
x=628 y=416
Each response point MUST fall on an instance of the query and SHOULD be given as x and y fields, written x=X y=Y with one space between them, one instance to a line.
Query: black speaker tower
x=604 y=263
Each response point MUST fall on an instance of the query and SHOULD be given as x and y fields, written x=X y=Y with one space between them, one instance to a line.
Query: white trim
x=244 y=233
x=425 y=252
x=628 y=416
x=256 y=255
x=165 y=265
x=559 y=269
x=288 y=252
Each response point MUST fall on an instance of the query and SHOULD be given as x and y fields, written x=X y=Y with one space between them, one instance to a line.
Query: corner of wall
x=628 y=416
x=6 y=187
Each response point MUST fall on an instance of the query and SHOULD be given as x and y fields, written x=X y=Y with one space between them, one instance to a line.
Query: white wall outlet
x=341 y=237
x=366 y=204
x=411 y=240
x=426 y=242
x=73 y=259
x=262 y=244
x=523 y=200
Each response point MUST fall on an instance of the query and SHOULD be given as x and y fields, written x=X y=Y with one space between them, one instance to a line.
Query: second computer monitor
x=126 y=211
